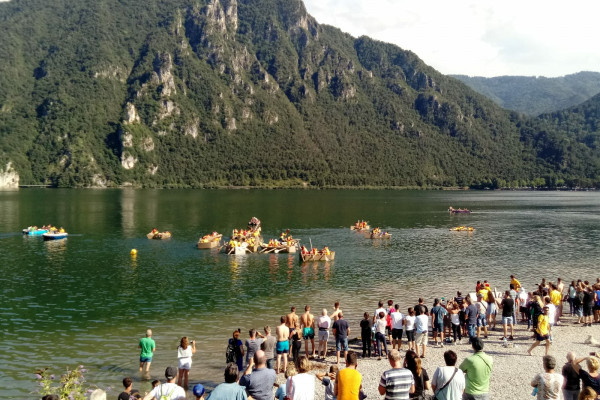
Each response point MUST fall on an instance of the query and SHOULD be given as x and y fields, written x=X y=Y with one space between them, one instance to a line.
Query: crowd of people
x=253 y=365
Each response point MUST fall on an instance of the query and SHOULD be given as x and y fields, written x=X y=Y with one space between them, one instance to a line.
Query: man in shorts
x=422 y=328
x=282 y=347
x=437 y=321
x=292 y=322
x=268 y=346
x=336 y=311
x=148 y=347
x=481 y=315
x=324 y=323
x=307 y=323
x=341 y=331
x=471 y=318
x=508 y=307
x=397 y=325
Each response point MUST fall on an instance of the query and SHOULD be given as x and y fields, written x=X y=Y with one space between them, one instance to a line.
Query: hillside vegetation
x=213 y=93
x=536 y=95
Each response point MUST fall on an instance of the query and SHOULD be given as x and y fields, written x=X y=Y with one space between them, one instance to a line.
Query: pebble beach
x=513 y=368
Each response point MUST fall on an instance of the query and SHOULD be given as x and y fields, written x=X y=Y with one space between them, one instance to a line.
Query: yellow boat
x=463 y=229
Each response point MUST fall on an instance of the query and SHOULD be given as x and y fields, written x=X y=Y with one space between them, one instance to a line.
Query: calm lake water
x=85 y=301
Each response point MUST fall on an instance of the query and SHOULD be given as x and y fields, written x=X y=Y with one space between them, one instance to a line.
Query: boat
x=156 y=235
x=360 y=226
x=317 y=257
x=55 y=235
x=34 y=231
x=210 y=241
x=463 y=229
x=280 y=248
x=459 y=210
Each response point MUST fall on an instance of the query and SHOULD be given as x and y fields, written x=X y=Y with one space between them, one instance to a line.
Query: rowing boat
x=284 y=248
x=463 y=229
x=317 y=257
x=210 y=241
x=54 y=235
x=34 y=231
x=159 y=235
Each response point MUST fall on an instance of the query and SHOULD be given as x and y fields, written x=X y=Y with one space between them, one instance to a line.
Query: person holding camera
x=184 y=355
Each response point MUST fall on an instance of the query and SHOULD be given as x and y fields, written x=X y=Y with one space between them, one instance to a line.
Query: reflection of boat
x=463 y=229
x=159 y=235
x=55 y=235
x=34 y=231
x=210 y=241
x=459 y=211
x=317 y=257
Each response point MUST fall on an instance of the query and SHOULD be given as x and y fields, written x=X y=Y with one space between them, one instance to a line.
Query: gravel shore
x=513 y=368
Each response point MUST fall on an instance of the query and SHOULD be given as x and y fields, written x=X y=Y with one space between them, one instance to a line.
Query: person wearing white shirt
x=448 y=383
x=397 y=325
x=323 y=323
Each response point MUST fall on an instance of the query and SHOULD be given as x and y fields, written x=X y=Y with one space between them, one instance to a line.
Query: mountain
x=536 y=95
x=214 y=93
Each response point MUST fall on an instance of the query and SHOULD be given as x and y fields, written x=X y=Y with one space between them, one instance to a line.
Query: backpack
x=165 y=396
x=230 y=353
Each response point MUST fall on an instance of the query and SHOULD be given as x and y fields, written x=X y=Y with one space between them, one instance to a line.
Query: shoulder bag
x=445 y=384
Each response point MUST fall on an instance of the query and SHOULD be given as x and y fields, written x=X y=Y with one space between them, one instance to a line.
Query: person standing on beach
x=477 y=369
x=148 y=348
x=396 y=383
x=230 y=390
x=380 y=338
x=292 y=322
x=437 y=322
x=366 y=335
x=508 y=307
x=324 y=323
x=307 y=323
x=421 y=308
x=548 y=384
x=410 y=328
x=397 y=325
x=448 y=383
x=515 y=282
x=268 y=346
x=422 y=329
x=336 y=311
x=482 y=306
x=591 y=377
x=471 y=318
x=282 y=333
x=572 y=384
x=341 y=331
x=348 y=381
x=542 y=332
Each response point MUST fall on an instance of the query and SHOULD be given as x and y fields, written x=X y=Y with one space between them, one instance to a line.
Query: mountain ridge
x=244 y=93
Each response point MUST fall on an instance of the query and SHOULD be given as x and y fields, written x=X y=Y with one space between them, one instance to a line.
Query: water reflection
x=56 y=249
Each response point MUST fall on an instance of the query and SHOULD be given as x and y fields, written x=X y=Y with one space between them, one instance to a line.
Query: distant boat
x=459 y=210
x=55 y=235
x=463 y=229
x=34 y=231
x=159 y=235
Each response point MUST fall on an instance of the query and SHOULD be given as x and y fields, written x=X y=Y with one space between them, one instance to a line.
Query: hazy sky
x=478 y=37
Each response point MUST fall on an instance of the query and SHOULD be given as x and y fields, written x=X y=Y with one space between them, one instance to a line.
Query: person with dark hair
x=412 y=362
x=437 y=321
x=238 y=350
x=252 y=344
x=572 y=384
x=282 y=347
x=230 y=390
x=548 y=384
x=477 y=369
x=169 y=388
x=542 y=332
x=268 y=346
x=341 y=332
x=127 y=384
x=184 y=356
x=258 y=379
x=448 y=383
x=508 y=308
x=471 y=318
x=421 y=308
x=398 y=382
x=348 y=381
x=380 y=325
x=366 y=335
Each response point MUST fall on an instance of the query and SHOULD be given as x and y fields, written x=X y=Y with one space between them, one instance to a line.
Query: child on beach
x=328 y=381
x=281 y=393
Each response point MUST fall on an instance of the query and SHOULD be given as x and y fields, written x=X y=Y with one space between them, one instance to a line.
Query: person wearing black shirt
x=365 y=335
x=508 y=308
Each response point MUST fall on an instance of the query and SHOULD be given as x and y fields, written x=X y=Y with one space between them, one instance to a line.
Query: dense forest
x=217 y=93
x=533 y=95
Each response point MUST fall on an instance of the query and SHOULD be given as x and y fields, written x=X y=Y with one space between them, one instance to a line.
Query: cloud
x=476 y=37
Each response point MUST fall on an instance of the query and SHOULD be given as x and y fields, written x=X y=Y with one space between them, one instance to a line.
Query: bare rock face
x=192 y=129
x=163 y=67
x=127 y=139
x=9 y=178
x=271 y=117
x=131 y=115
x=230 y=124
x=152 y=169
x=99 y=181
x=128 y=161
x=148 y=144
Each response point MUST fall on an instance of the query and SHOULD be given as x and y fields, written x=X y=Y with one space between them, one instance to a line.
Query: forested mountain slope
x=209 y=93
x=536 y=95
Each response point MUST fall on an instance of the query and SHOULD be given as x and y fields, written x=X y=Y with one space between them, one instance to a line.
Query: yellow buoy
x=133 y=252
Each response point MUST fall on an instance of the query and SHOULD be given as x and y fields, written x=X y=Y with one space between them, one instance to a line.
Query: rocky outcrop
x=131 y=115
x=128 y=161
x=9 y=178
x=163 y=74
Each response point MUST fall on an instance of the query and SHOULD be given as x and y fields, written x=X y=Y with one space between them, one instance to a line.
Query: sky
x=478 y=37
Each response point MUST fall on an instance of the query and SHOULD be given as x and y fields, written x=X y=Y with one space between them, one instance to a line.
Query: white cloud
x=477 y=37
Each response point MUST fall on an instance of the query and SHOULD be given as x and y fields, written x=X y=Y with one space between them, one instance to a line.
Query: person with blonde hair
x=587 y=394
x=184 y=356
x=301 y=386
x=591 y=377
x=281 y=392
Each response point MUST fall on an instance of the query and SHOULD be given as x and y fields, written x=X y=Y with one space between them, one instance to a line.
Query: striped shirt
x=397 y=383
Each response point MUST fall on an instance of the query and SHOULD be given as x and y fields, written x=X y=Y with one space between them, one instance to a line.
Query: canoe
x=279 y=249
x=463 y=229
x=209 y=245
x=382 y=235
x=34 y=232
x=55 y=235
x=317 y=257
x=159 y=235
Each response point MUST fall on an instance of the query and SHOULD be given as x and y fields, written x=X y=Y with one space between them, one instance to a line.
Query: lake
x=85 y=300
